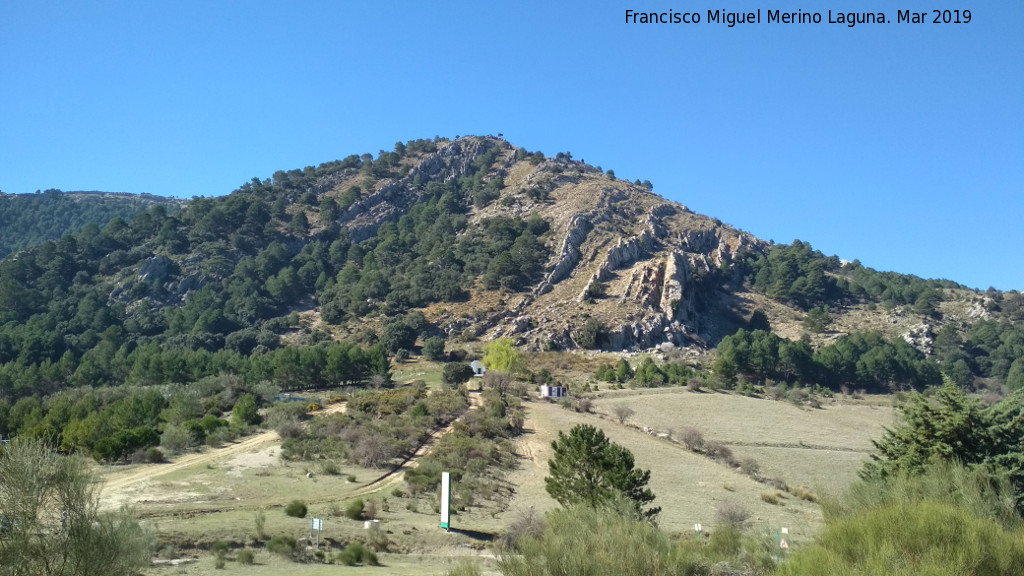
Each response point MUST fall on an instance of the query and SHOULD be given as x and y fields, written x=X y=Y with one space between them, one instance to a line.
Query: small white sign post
x=697 y=527
x=784 y=539
x=446 y=490
x=317 y=525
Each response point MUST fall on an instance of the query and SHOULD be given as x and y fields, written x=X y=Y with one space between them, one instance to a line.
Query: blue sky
x=898 y=144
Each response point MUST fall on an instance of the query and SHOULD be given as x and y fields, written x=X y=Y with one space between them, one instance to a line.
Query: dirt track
x=119 y=485
x=189 y=460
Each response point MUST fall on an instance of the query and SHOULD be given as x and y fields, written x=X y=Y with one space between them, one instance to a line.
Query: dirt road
x=116 y=488
x=250 y=443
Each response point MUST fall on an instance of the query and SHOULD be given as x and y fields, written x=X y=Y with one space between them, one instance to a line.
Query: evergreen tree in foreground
x=588 y=469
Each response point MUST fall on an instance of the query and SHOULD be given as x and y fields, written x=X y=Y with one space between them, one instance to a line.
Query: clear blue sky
x=898 y=144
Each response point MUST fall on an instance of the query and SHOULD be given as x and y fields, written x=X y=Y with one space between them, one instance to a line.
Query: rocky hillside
x=467 y=238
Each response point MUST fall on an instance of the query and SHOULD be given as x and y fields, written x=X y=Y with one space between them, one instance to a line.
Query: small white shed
x=478 y=368
x=553 y=391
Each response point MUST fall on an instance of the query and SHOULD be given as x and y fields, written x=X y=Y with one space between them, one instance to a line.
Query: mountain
x=29 y=219
x=472 y=238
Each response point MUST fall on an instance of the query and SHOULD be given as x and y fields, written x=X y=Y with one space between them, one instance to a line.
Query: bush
x=433 y=349
x=692 y=438
x=803 y=493
x=750 y=466
x=772 y=498
x=354 y=510
x=260 y=519
x=281 y=545
x=732 y=515
x=622 y=412
x=175 y=439
x=456 y=373
x=155 y=456
x=584 y=540
x=947 y=523
x=720 y=452
x=330 y=468
x=246 y=557
x=356 y=553
x=527 y=524
x=296 y=509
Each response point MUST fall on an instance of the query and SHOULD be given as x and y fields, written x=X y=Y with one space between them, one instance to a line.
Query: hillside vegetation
x=457 y=240
x=30 y=219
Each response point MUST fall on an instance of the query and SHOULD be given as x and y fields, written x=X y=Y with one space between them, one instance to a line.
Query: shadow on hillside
x=474 y=534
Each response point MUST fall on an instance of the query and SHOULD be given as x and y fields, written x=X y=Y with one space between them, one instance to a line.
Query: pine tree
x=587 y=469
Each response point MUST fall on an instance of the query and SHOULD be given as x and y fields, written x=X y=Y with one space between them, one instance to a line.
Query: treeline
x=30 y=219
x=647 y=374
x=861 y=360
x=76 y=418
x=803 y=277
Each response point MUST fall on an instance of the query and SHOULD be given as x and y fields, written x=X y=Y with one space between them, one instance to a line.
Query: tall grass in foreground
x=948 y=521
x=585 y=541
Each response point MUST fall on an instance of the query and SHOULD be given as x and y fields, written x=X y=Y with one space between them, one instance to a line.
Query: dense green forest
x=167 y=299
x=798 y=275
x=30 y=219
x=803 y=277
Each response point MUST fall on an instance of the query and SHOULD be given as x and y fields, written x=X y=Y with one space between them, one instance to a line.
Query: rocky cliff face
x=620 y=254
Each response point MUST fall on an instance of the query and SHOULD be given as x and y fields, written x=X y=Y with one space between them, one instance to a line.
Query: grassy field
x=819 y=448
x=220 y=497
x=689 y=487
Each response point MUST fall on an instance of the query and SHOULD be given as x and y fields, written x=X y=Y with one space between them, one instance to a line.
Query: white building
x=553 y=391
x=478 y=368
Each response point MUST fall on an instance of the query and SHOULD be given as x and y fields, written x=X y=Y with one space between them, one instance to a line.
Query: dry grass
x=689 y=487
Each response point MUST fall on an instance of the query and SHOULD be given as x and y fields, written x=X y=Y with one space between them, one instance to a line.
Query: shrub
x=803 y=493
x=732 y=515
x=622 y=412
x=356 y=553
x=584 y=540
x=750 y=466
x=354 y=510
x=694 y=385
x=692 y=438
x=175 y=439
x=260 y=519
x=433 y=349
x=154 y=455
x=245 y=557
x=772 y=498
x=720 y=452
x=330 y=468
x=527 y=524
x=296 y=509
x=281 y=545
x=948 y=523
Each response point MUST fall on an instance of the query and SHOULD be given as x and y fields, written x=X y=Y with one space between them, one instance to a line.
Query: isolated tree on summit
x=587 y=469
